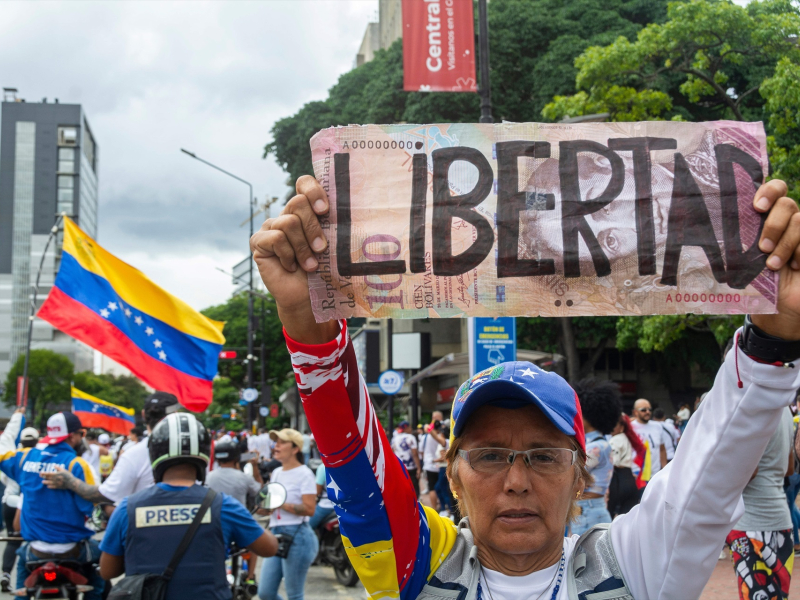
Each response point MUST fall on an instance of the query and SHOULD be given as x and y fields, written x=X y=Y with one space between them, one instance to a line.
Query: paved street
x=322 y=585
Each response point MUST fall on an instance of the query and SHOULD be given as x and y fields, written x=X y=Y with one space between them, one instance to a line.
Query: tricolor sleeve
x=394 y=543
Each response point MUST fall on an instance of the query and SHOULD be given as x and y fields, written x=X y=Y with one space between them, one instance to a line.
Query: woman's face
x=517 y=511
x=283 y=450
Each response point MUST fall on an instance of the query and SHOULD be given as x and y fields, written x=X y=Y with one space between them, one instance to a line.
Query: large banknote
x=456 y=220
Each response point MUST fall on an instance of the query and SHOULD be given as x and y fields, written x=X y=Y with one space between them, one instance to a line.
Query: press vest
x=157 y=521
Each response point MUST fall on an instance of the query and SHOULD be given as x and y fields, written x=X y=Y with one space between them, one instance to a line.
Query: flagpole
x=32 y=316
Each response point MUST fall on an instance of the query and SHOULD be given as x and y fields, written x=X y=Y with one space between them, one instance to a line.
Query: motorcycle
x=56 y=579
x=332 y=552
x=241 y=587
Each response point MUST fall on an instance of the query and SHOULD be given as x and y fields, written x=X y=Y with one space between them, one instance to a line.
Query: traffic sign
x=263 y=411
x=249 y=394
x=227 y=354
x=391 y=382
x=494 y=342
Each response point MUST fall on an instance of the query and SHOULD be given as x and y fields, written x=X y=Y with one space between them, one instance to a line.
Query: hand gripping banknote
x=456 y=220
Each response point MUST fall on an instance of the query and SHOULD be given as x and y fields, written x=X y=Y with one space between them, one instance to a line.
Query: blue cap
x=517 y=384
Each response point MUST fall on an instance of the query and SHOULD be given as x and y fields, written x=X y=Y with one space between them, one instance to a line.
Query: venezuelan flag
x=94 y=412
x=114 y=308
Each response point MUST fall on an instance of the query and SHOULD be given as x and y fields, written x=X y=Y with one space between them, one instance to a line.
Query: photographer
x=229 y=478
x=299 y=545
x=430 y=444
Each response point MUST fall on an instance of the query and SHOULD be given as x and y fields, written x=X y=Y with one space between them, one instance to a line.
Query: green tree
x=532 y=48
x=49 y=377
x=123 y=390
x=566 y=335
x=706 y=62
x=709 y=60
x=268 y=331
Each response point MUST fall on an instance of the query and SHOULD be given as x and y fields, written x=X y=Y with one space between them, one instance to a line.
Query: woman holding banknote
x=517 y=461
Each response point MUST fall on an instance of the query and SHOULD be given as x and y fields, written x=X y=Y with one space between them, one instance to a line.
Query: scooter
x=56 y=580
x=332 y=552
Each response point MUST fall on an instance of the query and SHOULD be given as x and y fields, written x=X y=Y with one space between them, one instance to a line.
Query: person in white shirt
x=404 y=446
x=261 y=444
x=650 y=432
x=431 y=442
x=671 y=433
x=133 y=471
x=291 y=519
x=28 y=438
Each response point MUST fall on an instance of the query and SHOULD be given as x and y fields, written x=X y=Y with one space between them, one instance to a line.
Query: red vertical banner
x=438 y=46
x=22 y=400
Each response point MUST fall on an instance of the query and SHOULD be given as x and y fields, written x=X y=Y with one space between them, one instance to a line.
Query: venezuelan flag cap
x=60 y=425
x=517 y=384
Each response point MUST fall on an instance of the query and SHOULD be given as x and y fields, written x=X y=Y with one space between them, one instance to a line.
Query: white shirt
x=621 y=451
x=429 y=449
x=261 y=444
x=298 y=482
x=531 y=586
x=92 y=456
x=132 y=473
x=402 y=446
x=653 y=433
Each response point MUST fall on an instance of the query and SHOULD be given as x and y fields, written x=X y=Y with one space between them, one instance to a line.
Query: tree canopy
x=49 y=377
x=532 y=49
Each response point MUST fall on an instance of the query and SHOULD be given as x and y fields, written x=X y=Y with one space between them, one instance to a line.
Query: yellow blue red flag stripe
x=94 y=412
x=114 y=308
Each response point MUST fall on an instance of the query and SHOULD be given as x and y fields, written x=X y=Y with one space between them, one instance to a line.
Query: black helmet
x=179 y=438
x=226 y=451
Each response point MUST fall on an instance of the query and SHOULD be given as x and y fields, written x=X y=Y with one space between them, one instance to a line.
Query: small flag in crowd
x=114 y=308
x=94 y=412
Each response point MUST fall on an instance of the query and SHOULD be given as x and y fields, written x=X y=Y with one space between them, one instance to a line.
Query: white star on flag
x=529 y=373
x=138 y=320
x=128 y=312
x=336 y=489
x=157 y=343
x=162 y=355
x=112 y=305
x=104 y=313
x=149 y=331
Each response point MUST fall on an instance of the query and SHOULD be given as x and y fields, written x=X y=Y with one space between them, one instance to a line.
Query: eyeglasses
x=542 y=460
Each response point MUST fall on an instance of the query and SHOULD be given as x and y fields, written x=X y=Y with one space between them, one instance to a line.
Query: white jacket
x=668 y=545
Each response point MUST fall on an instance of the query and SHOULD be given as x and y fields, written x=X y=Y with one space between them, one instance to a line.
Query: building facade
x=48 y=166
x=381 y=34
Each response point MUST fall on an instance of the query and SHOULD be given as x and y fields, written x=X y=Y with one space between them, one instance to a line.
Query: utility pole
x=483 y=43
x=250 y=333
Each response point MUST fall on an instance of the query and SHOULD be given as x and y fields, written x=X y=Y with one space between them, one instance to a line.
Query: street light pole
x=250 y=356
x=483 y=42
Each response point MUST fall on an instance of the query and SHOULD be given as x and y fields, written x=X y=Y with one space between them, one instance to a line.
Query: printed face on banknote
x=536 y=219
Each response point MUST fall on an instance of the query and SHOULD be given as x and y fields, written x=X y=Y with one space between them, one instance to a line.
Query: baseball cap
x=287 y=435
x=402 y=424
x=163 y=400
x=60 y=425
x=29 y=434
x=103 y=439
x=517 y=384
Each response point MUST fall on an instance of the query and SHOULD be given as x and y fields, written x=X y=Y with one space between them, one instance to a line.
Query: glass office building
x=48 y=165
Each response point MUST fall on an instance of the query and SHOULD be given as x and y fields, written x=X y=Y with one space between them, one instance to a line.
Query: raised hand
x=781 y=239
x=284 y=250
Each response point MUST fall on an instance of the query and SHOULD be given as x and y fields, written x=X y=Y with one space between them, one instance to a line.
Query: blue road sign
x=495 y=341
x=391 y=382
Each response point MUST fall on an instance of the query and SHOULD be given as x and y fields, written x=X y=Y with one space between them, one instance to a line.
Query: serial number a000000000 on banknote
x=455 y=220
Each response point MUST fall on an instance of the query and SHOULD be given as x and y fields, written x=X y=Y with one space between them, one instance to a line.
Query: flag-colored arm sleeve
x=393 y=543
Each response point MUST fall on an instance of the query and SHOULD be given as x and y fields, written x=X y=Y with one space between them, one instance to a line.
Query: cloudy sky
x=155 y=77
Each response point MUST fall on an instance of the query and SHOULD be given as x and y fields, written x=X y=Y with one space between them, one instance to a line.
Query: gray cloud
x=155 y=77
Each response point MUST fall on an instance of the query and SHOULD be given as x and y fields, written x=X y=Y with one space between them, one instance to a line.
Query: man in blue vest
x=53 y=522
x=147 y=527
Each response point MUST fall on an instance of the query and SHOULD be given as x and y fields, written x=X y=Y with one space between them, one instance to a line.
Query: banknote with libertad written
x=453 y=220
